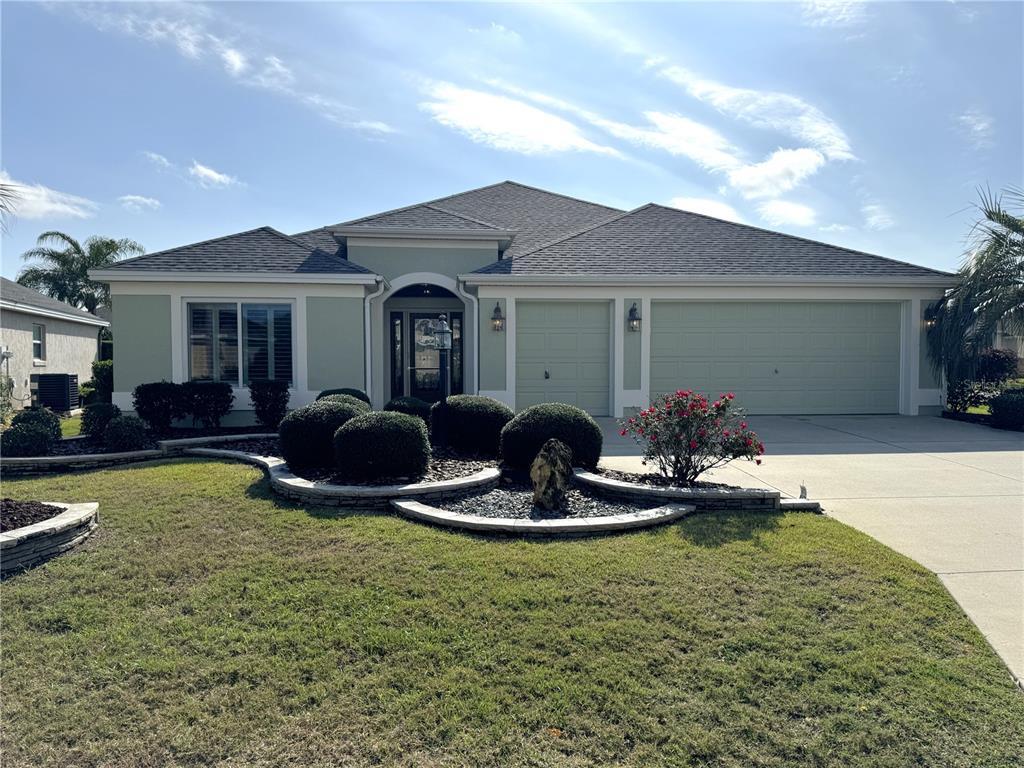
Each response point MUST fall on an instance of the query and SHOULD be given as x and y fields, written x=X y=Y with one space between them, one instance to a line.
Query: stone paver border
x=32 y=544
x=572 y=526
x=289 y=485
x=703 y=499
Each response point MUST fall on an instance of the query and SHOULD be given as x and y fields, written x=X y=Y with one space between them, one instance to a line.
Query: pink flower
x=622 y=432
x=743 y=425
x=757 y=461
x=725 y=433
x=693 y=445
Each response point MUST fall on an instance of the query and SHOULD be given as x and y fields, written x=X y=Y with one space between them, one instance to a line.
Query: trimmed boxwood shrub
x=126 y=433
x=26 y=439
x=530 y=429
x=103 y=380
x=159 y=404
x=307 y=433
x=357 y=393
x=1008 y=409
x=207 y=401
x=269 y=401
x=471 y=423
x=95 y=418
x=42 y=417
x=412 y=406
x=382 y=445
x=362 y=405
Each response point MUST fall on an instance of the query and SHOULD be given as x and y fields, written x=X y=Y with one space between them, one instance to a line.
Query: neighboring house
x=43 y=335
x=792 y=326
x=1006 y=340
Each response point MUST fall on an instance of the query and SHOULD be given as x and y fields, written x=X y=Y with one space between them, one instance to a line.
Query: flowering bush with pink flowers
x=684 y=435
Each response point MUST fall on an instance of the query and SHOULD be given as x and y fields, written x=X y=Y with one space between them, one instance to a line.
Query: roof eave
x=882 y=281
x=425 y=233
x=183 y=276
x=29 y=309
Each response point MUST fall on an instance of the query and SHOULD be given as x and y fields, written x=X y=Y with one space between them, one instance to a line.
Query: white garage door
x=781 y=357
x=562 y=350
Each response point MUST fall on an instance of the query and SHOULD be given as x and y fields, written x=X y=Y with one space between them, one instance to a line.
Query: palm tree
x=8 y=197
x=990 y=292
x=64 y=272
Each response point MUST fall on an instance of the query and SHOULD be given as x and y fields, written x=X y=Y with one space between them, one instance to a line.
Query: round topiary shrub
x=42 y=417
x=412 y=406
x=307 y=433
x=126 y=433
x=469 y=423
x=530 y=429
x=380 y=445
x=1008 y=409
x=362 y=405
x=26 y=439
x=95 y=418
x=357 y=393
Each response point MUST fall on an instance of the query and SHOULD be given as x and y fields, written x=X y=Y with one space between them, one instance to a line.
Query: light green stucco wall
x=926 y=376
x=142 y=340
x=492 y=347
x=630 y=349
x=334 y=342
x=392 y=261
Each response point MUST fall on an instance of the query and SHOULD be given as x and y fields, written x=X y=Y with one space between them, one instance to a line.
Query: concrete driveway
x=949 y=495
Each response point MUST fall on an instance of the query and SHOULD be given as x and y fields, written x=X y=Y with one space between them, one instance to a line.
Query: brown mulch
x=18 y=514
x=650 y=478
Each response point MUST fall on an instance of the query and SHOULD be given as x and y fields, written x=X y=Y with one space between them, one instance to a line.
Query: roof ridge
x=796 y=237
x=290 y=239
x=549 y=192
x=489 y=224
x=190 y=245
x=588 y=228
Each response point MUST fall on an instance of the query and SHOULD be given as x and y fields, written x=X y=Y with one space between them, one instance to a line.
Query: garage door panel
x=787 y=357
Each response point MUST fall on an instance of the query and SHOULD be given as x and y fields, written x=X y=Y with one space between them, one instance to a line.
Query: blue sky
x=865 y=125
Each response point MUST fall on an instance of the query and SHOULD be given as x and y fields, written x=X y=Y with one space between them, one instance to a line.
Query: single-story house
x=550 y=298
x=41 y=335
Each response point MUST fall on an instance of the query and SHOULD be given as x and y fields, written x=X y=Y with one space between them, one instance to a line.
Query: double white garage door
x=778 y=357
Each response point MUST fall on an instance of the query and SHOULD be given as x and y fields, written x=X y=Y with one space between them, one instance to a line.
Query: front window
x=215 y=354
x=38 y=341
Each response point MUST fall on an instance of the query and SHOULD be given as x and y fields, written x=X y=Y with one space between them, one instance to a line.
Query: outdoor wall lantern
x=633 y=319
x=497 y=319
x=442 y=333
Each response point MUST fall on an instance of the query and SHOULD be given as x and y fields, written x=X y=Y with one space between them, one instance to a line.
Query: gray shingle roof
x=535 y=215
x=424 y=216
x=257 y=250
x=655 y=240
x=19 y=294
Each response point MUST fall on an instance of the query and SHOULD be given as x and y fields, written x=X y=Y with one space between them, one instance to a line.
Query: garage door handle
x=547 y=375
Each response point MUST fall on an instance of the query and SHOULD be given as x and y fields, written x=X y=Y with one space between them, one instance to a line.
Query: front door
x=423 y=359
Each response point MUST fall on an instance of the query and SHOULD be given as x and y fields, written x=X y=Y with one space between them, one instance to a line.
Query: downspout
x=367 y=335
x=460 y=287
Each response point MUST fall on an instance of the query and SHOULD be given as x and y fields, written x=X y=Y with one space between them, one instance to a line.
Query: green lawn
x=208 y=623
x=71 y=426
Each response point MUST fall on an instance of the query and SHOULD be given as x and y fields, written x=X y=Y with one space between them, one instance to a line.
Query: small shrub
x=382 y=445
x=26 y=439
x=6 y=402
x=159 y=404
x=207 y=401
x=269 y=401
x=126 y=433
x=412 y=406
x=357 y=393
x=1008 y=409
x=307 y=433
x=362 y=405
x=103 y=380
x=470 y=423
x=43 y=417
x=95 y=418
x=995 y=366
x=685 y=435
x=524 y=436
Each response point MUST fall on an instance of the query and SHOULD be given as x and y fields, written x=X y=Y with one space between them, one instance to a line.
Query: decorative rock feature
x=583 y=526
x=33 y=544
x=550 y=474
x=703 y=499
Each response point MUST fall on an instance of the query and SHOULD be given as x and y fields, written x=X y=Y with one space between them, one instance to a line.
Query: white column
x=618 y=362
x=645 y=351
x=510 y=351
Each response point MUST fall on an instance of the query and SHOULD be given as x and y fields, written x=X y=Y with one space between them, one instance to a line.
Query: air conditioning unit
x=57 y=391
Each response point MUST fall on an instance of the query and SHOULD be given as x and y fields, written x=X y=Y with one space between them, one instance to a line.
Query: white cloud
x=707 y=206
x=234 y=61
x=834 y=13
x=157 y=159
x=876 y=216
x=34 y=201
x=138 y=203
x=209 y=178
x=780 y=213
x=978 y=126
x=372 y=126
x=505 y=123
x=274 y=75
x=499 y=33
x=835 y=228
x=782 y=171
x=677 y=135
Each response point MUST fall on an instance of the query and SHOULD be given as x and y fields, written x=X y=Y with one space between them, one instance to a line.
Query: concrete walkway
x=949 y=495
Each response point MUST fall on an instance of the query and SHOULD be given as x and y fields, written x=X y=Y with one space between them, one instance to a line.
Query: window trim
x=41 y=358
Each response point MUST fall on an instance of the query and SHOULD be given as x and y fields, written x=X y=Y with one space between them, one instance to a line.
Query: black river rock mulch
x=85 y=445
x=650 y=478
x=18 y=514
x=515 y=500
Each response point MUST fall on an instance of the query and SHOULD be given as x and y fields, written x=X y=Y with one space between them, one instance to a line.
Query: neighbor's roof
x=15 y=296
x=658 y=241
x=257 y=250
x=536 y=216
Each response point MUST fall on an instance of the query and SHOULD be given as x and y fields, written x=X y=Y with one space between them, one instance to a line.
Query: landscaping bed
x=87 y=446
x=17 y=514
x=654 y=479
x=514 y=500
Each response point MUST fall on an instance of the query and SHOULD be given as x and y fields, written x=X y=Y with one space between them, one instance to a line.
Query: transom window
x=38 y=341
x=214 y=351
